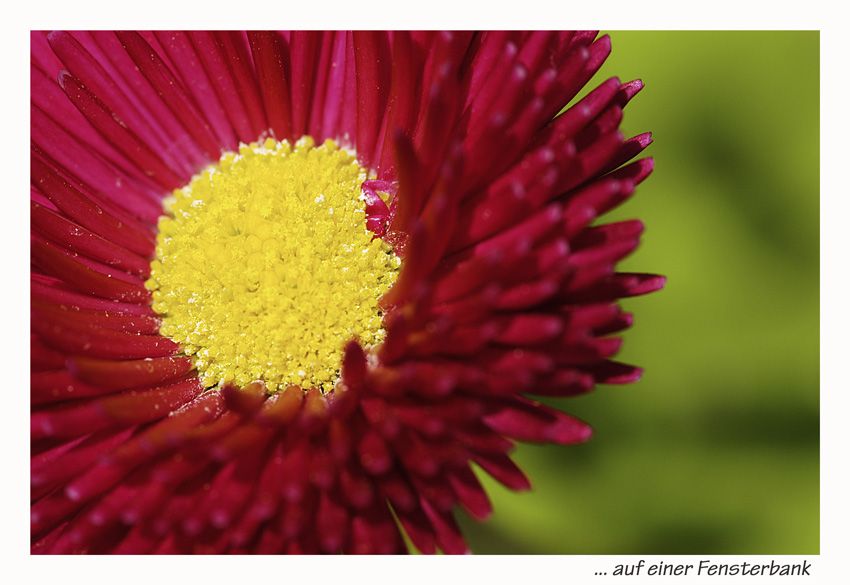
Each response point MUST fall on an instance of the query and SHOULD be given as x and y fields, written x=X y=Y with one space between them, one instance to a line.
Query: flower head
x=157 y=428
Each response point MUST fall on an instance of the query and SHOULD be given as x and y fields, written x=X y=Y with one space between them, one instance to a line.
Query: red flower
x=506 y=289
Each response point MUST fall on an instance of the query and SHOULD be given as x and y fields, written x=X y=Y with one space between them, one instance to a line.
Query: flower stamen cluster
x=265 y=269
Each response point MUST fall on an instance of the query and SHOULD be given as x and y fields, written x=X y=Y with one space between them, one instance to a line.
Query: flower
x=506 y=289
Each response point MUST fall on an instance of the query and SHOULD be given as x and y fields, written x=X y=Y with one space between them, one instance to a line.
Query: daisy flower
x=287 y=288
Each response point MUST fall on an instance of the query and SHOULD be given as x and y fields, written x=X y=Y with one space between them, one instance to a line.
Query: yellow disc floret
x=264 y=267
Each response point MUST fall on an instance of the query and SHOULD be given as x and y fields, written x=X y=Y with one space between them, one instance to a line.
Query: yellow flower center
x=264 y=267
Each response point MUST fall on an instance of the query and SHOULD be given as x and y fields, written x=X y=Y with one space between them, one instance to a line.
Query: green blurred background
x=716 y=449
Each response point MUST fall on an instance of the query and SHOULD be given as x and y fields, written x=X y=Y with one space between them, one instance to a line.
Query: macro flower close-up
x=295 y=292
